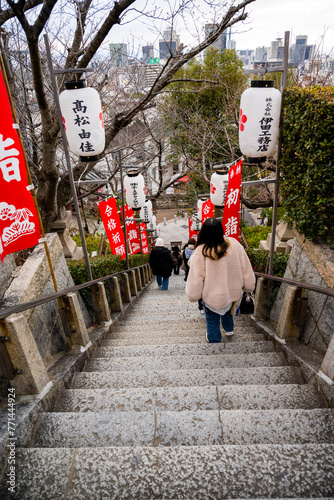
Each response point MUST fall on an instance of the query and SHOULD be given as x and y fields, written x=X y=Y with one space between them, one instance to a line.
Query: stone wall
x=7 y=273
x=33 y=280
x=312 y=264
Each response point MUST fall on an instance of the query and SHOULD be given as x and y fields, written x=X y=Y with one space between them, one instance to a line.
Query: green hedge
x=307 y=161
x=254 y=234
x=93 y=242
x=102 y=266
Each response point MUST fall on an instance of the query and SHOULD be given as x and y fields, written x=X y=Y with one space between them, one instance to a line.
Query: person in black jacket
x=177 y=259
x=161 y=263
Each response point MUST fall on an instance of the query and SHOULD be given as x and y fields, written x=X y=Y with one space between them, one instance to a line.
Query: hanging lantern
x=152 y=225
x=83 y=121
x=260 y=109
x=146 y=211
x=199 y=207
x=134 y=187
x=218 y=187
x=196 y=224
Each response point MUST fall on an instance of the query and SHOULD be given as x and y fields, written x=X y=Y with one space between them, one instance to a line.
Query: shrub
x=93 y=242
x=254 y=234
x=307 y=160
x=102 y=266
x=260 y=261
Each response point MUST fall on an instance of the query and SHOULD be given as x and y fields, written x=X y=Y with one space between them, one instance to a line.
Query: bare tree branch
x=5 y=15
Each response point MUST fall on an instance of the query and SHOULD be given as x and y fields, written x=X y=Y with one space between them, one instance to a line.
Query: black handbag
x=247 y=304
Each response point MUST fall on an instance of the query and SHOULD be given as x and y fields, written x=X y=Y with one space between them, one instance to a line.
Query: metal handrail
x=299 y=284
x=47 y=298
x=42 y=300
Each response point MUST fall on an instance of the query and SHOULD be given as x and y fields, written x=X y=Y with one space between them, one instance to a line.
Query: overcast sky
x=268 y=20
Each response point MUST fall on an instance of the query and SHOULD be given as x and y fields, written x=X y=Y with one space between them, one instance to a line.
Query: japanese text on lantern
x=134 y=187
x=265 y=138
x=80 y=120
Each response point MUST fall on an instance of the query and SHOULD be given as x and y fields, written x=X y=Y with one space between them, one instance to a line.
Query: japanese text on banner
x=208 y=210
x=113 y=227
x=132 y=231
x=19 y=225
x=193 y=232
x=231 y=214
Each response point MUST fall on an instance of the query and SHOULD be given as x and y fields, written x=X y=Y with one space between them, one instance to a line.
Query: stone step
x=196 y=473
x=183 y=350
x=184 y=428
x=171 y=319
x=190 y=398
x=125 y=340
x=177 y=331
x=187 y=378
x=192 y=362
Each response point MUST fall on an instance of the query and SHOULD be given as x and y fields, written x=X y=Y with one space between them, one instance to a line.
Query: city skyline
x=268 y=20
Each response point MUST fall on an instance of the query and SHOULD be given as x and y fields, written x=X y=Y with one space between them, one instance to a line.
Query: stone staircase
x=159 y=413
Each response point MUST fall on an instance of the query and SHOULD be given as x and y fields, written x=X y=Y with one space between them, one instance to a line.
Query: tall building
x=221 y=43
x=119 y=54
x=298 y=49
x=261 y=54
x=275 y=49
x=147 y=74
x=148 y=53
x=168 y=44
x=231 y=44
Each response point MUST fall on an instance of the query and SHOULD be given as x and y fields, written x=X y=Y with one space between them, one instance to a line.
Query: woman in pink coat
x=220 y=271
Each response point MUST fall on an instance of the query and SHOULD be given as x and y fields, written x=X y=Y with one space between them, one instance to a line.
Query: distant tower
x=119 y=54
x=298 y=50
x=148 y=53
x=274 y=49
x=169 y=44
x=222 y=41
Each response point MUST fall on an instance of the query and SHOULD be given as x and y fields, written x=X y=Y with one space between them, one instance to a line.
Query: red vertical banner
x=132 y=231
x=144 y=240
x=231 y=216
x=19 y=224
x=113 y=227
x=193 y=231
x=208 y=210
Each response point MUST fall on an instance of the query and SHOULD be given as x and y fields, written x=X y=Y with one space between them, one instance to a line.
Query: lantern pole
x=69 y=166
x=278 y=157
x=123 y=206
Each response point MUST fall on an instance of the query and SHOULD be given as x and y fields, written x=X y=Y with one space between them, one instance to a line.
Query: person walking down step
x=188 y=250
x=162 y=264
x=177 y=259
x=220 y=271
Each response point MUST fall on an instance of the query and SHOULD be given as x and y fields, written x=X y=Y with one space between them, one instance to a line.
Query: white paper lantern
x=83 y=121
x=260 y=109
x=199 y=208
x=152 y=225
x=196 y=224
x=134 y=187
x=218 y=187
x=146 y=211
